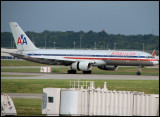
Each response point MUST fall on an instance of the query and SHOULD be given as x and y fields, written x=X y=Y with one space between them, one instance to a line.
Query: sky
x=115 y=17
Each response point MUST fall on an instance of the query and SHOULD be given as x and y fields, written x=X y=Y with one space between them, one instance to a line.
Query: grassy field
x=27 y=107
x=19 y=63
x=35 y=86
x=20 y=70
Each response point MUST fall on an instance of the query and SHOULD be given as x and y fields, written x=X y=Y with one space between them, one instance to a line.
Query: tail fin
x=21 y=39
x=153 y=53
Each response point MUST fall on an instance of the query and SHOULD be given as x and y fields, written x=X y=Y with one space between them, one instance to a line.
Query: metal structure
x=83 y=99
x=45 y=69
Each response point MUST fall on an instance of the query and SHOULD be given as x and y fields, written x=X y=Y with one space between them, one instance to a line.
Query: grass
x=95 y=70
x=20 y=70
x=35 y=86
x=27 y=107
x=19 y=63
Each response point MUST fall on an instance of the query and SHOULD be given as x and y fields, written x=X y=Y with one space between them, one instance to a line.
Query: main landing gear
x=74 y=72
x=87 y=72
x=139 y=70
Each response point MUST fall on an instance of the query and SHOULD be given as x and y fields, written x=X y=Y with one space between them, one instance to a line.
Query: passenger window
x=50 y=99
x=150 y=57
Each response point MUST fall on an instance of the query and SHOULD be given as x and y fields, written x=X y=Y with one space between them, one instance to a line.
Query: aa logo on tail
x=22 y=40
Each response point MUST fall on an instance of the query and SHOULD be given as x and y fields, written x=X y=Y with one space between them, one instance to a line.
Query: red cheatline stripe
x=111 y=59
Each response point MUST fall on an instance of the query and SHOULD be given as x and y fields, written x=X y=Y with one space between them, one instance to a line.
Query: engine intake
x=81 y=66
x=108 y=67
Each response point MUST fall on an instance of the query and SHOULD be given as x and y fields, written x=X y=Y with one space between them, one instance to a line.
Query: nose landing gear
x=139 y=70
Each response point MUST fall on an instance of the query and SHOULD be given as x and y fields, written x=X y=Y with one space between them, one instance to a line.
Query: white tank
x=69 y=102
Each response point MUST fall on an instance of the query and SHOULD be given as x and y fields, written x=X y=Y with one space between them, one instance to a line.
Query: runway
x=78 y=76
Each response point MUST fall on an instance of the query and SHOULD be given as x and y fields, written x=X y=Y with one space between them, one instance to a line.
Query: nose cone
x=155 y=62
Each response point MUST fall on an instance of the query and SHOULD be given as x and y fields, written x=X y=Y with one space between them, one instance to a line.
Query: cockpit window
x=151 y=57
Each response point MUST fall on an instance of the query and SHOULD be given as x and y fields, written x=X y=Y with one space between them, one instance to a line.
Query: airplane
x=81 y=60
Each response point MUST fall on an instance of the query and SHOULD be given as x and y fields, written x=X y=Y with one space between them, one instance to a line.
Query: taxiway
x=78 y=76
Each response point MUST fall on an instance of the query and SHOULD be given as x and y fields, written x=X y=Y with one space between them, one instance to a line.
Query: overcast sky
x=122 y=17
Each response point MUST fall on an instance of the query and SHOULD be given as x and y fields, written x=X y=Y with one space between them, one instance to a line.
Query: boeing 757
x=82 y=60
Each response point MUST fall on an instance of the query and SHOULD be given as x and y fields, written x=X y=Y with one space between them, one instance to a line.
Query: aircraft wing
x=42 y=60
x=14 y=54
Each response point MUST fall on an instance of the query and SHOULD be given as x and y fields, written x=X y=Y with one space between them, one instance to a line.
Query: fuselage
x=81 y=60
x=97 y=57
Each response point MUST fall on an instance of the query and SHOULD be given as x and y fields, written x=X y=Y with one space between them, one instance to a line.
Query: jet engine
x=81 y=66
x=108 y=67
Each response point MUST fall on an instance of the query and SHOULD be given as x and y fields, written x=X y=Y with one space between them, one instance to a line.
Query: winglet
x=153 y=53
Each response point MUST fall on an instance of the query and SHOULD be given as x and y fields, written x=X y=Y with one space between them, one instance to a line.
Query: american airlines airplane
x=81 y=60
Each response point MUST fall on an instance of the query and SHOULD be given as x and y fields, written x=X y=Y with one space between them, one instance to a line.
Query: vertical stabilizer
x=153 y=53
x=21 y=39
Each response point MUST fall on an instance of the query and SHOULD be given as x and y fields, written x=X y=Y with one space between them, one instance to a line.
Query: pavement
x=78 y=76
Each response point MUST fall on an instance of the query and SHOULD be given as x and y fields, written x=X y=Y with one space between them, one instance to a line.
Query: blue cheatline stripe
x=85 y=55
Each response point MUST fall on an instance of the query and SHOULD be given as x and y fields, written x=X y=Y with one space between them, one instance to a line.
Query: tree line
x=85 y=40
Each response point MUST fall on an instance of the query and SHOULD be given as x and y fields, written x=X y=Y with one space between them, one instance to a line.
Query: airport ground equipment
x=83 y=99
x=7 y=106
x=45 y=69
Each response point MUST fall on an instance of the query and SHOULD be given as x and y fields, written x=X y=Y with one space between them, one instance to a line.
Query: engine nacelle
x=81 y=66
x=108 y=67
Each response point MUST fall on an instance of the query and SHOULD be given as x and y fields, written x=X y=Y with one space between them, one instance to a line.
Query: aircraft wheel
x=138 y=73
x=87 y=72
x=71 y=71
